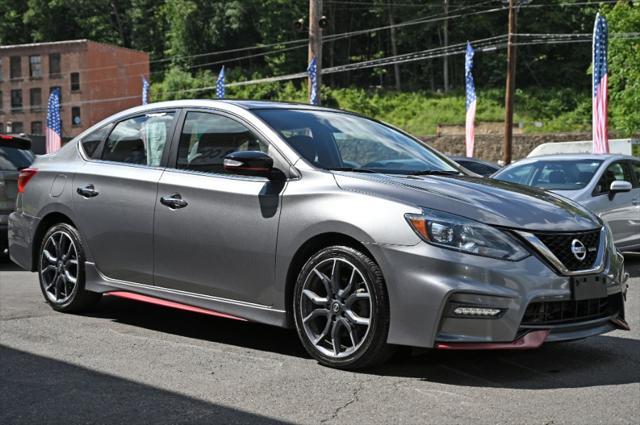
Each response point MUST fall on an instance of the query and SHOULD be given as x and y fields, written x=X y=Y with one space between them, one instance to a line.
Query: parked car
x=15 y=154
x=352 y=232
x=608 y=185
x=478 y=166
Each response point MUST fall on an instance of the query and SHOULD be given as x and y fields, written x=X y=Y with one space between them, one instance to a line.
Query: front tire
x=61 y=270
x=341 y=309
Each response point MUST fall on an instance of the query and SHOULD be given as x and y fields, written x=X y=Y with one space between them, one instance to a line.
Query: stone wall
x=489 y=146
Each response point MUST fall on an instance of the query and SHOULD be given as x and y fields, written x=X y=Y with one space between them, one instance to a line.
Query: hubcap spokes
x=59 y=267
x=336 y=307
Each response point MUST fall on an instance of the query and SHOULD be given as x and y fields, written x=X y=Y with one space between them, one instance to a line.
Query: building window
x=35 y=99
x=75 y=116
x=15 y=70
x=1 y=127
x=16 y=100
x=54 y=65
x=16 y=127
x=75 y=81
x=1 y=102
x=35 y=66
x=36 y=127
x=52 y=88
x=1 y=76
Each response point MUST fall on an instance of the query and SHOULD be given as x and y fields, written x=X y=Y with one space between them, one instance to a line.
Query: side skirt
x=97 y=282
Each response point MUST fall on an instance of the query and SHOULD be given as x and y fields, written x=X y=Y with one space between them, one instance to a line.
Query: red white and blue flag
x=471 y=101
x=312 y=71
x=54 y=126
x=600 y=91
x=145 y=91
x=220 y=84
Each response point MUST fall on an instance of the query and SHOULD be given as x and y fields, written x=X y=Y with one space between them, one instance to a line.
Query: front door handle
x=88 y=191
x=174 y=201
x=635 y=202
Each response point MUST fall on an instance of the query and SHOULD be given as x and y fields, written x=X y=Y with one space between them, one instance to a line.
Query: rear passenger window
x=91 y=141
x=140 y=140
x=207 y=138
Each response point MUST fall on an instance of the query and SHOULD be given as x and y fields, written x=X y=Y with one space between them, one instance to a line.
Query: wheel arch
x=50 y=219
x=308 y=248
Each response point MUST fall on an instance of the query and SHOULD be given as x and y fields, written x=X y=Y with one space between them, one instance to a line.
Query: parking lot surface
x=126 y=362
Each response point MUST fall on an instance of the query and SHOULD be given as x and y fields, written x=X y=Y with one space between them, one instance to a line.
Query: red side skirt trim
x=171 y=304
x=530 y=340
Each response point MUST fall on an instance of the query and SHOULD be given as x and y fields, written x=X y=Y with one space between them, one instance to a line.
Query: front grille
x=561 y=312
x=560 y=245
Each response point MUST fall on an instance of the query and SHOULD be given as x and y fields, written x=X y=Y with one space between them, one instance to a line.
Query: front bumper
x=422 y=281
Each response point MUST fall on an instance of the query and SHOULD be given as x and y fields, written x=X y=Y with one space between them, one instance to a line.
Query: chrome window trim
x=550 y=256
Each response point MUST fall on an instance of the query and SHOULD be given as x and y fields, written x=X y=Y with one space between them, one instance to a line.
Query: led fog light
x=477 y=311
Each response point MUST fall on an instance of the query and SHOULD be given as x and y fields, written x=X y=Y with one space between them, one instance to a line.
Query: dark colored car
x=15 y=155
x=478 y=166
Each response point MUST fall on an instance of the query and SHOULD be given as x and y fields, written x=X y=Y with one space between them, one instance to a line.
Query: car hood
x=486 y=200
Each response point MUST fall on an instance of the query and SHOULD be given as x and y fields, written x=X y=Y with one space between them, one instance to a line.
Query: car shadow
x=37 y=389
x=596 y=361
x=199 y=326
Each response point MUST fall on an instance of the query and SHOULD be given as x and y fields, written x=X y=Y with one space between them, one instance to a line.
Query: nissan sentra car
x=352 y=232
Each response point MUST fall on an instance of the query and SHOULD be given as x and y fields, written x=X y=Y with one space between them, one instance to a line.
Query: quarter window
x=139 y=140
x=91 y=141
x=207 y=138
x=615 y=171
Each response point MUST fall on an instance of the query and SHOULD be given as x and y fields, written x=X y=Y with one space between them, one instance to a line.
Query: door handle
x=88 y=191
x=174 y=201
x=635 y=202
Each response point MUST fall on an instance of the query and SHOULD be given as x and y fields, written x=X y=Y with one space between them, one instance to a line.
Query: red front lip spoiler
x=527 y=341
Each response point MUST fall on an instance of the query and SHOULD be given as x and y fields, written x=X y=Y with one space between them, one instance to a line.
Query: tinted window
x=635 y=169
x=552 y=175
x=207 y=138
x=91 y=141
x=339 y=140
x=12 y=159
x=615 y=171
x=139 y=140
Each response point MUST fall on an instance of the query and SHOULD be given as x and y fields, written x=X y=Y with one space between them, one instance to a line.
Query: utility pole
x=445 y=70
x=511 y=82
x=394 y=48
x=315 y=39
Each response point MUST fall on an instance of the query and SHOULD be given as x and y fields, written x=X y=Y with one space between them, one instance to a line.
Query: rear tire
x=341 y=309
x=61 y=270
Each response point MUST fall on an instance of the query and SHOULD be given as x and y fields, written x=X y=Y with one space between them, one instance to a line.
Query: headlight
x=465 y=235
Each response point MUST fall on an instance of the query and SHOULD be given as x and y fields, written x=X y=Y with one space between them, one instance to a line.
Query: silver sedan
x=350 y=231
x=608 y=185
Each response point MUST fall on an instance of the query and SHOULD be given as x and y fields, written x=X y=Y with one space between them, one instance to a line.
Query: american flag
x=600 y=45
x=145 y=91
x=220 y=84
x=54 y=127
x=471 y=100
x=312 y=69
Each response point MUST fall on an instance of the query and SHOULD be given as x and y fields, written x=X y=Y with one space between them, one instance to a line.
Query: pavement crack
x=354 y=398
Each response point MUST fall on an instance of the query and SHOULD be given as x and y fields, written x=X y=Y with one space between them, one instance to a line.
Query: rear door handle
x=174 y=201
x=635 y=202
x=88 y=191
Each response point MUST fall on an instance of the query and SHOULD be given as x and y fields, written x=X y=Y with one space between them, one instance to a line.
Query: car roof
x=573 y=157
x=222 y=103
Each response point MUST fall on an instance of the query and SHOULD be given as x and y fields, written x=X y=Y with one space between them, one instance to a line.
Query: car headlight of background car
x=462 y=234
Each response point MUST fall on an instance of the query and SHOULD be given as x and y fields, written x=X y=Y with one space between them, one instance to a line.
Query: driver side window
x=615 y=171
x=207 y=138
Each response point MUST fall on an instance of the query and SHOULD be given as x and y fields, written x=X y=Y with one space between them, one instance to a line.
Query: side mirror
x=619 y=186
x=18 y=142
x=248 y=163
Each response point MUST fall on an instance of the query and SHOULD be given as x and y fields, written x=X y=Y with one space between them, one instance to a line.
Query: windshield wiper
x=434 y=173
x=354 y=170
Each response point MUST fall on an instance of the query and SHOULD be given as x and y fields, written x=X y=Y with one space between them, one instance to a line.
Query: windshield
x=552 y=175
x=340 y=141
x=13 y=159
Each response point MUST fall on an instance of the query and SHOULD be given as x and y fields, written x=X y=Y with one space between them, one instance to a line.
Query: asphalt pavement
x=127 y=362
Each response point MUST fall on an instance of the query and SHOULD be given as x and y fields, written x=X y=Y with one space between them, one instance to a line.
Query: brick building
x=95 y=81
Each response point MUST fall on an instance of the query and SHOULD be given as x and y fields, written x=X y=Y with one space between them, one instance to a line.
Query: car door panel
x=203 y=247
